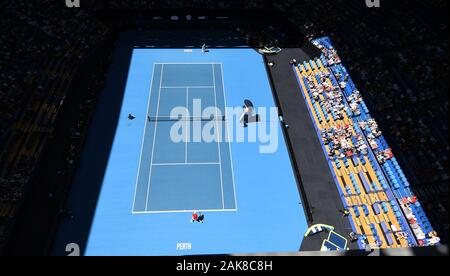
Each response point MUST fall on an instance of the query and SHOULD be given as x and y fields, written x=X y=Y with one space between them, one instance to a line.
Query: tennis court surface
x=186 y=175
x=152 y=183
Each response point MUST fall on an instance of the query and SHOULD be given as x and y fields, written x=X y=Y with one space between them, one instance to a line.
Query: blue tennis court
x=155 y=177
x=189 y=174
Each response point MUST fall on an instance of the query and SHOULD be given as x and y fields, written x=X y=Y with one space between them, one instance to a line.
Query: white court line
x=143 y=136
x=218 y=138
x=180 y=164
x=186 y=129
x=154 y=138
x=186 y=164
x=229 y=141
x=192 y=63
x=187 y=87
x=185 y=211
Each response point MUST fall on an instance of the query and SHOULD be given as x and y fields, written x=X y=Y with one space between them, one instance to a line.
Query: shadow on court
x=87 y=183
x=86 y=187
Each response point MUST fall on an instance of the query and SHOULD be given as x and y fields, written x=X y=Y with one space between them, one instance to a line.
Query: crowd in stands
x=344 y=121
x=401 y=66
x=145 y=5
x=363 y=188
x=40 y=56
x=412 y=209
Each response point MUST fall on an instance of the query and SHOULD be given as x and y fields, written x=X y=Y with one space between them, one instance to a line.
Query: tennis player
x=248 y=114
x=194 y=217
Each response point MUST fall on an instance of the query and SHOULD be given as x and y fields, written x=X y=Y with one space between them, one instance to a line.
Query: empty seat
x=366 y=210
x=357 y=213
x=385 y=207
x=387 y=233
x=376 y=208
x=365 y=184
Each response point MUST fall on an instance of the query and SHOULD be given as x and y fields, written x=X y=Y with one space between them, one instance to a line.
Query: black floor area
x=319 y=192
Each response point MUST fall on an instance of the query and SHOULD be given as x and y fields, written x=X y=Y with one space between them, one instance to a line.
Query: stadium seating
x=391 y=167
x=396 y=65
x=365 y=183
x=41 y=56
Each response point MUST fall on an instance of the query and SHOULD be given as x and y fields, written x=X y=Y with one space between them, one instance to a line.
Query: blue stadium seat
x=376 y=208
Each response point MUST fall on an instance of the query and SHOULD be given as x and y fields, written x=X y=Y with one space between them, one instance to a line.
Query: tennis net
x=177 y=119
